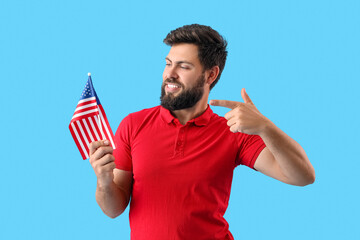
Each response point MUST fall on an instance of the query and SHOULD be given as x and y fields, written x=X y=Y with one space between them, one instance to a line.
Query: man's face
x=183 y=78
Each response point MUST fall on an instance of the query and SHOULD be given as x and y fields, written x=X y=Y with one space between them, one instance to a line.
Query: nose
x=170 y=72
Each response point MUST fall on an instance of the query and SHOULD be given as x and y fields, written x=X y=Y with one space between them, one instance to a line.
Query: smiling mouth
x=172 y=86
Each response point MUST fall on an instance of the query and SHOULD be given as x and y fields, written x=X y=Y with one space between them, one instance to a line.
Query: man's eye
x=184 y=67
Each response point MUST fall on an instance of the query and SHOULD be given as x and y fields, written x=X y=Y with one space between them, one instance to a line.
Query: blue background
x=298 y=60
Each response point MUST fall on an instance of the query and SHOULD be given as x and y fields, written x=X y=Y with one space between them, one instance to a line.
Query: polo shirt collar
x=202 y=120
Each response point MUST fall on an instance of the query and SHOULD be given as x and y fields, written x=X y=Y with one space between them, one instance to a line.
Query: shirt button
x=179 y=143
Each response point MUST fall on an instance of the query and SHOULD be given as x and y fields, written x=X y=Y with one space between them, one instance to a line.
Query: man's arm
x=283 y=158
x=113 y=189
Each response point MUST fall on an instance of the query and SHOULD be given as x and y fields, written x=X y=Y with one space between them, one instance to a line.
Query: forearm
x=289 y=155
x=111 y=199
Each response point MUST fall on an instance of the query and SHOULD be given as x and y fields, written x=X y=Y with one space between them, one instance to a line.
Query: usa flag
x=89 y=122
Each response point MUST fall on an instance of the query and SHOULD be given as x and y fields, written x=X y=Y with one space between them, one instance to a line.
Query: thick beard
x=186 y=99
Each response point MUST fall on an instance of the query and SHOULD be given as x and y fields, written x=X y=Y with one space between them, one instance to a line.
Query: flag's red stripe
x=106 y=120
x=91 y=132
x=93 y=129
x=81 y=137
x=107 y=127
x=77 y=142
x=85 y=109
x=85 y=103
x=83 y=141
x=104 y=130
x=103 y=126
x=85 y=132
x=96 y=126
x=84 y=116
x=96 y=129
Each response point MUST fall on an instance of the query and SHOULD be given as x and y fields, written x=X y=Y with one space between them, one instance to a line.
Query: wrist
x=267 y=129
x=104 y=184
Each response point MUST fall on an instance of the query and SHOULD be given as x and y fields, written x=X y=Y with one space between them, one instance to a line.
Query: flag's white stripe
x=82 y=133
x=100 y=126
x=87 y=129
x=106 y=128
x=84 y=113
x=94 y=129
x=85 y=106
x=87 y=99
x=101 y=121
x=79 y=140
x=101 y=131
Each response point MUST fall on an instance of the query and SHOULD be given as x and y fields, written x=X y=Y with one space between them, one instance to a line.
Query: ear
x=212 y=74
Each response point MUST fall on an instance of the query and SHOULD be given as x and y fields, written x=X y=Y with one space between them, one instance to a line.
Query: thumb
x=246 y=97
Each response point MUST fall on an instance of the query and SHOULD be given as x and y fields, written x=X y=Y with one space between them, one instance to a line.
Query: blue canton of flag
x=89 y=91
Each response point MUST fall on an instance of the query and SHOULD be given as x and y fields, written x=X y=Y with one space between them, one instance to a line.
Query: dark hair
x=211 y=45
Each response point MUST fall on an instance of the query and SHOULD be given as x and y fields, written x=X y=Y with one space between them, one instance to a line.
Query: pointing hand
x=243 y=117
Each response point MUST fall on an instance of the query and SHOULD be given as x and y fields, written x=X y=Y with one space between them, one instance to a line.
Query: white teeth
x=172 y=86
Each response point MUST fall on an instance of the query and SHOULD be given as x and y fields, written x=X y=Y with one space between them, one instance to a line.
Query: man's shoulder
x=218 y=120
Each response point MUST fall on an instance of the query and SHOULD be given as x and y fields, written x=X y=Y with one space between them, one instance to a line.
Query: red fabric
x=182 y=173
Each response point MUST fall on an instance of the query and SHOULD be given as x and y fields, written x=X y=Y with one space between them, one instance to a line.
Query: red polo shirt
x=182 y=173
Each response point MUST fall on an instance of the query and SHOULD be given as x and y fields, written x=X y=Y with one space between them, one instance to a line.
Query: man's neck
x=185 y=115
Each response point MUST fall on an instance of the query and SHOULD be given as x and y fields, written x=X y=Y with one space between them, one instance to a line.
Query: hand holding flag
x=89 y=122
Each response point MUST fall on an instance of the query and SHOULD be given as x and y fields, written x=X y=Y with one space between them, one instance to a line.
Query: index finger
x=224 y=103
x=96 y=144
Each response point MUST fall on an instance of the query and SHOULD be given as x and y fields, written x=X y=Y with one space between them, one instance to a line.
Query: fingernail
x=106 y=142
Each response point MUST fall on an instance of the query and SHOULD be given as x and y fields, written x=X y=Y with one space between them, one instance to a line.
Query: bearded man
x=176 y=161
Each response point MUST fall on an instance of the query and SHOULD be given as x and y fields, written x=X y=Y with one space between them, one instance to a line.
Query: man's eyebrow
x=180 y=62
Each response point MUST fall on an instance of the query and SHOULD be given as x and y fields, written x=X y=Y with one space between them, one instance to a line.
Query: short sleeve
x=249 y=148
x=122 y=152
